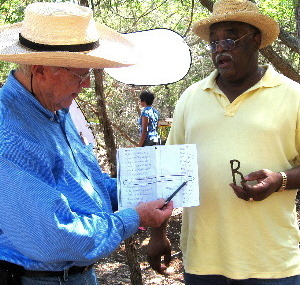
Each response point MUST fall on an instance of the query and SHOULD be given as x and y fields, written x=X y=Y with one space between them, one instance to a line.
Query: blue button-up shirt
x=56 y=206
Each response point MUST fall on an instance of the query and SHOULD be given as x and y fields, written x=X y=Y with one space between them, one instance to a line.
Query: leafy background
x=121 y=102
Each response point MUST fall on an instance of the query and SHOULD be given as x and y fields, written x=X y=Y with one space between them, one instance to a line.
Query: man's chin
x=226 y=73
x=67 y=104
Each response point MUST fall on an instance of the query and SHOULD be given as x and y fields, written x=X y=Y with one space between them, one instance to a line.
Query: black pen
x=173 y=194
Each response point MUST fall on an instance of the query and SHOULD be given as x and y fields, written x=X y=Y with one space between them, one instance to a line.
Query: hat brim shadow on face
x=153 y=57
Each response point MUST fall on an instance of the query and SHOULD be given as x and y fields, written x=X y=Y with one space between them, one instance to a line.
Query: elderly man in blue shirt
x=58 y=210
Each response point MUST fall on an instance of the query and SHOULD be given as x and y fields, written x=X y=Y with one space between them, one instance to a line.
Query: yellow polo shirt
x=226 y=235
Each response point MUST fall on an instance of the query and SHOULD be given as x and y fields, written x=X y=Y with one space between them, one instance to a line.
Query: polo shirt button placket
x=229 y=114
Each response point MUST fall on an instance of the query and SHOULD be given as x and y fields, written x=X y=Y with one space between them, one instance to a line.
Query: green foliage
x=5 y=67
x=280 y=10
x=12 y=11
x=128 y=16
x=163 y=133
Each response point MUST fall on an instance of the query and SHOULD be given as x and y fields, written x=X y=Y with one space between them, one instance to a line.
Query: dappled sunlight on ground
x=115 y=271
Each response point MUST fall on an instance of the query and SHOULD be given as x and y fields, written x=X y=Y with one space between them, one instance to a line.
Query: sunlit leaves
x=178 y=15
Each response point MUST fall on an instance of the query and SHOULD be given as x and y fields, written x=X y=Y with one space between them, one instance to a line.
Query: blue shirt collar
x=15 y=88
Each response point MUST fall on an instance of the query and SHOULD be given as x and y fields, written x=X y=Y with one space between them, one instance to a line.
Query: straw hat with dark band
x=65 y=34
x=239 y=11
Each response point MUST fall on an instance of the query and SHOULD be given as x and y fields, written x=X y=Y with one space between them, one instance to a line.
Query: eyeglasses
x=82 y=78
x=234 y=170
x=227 y=44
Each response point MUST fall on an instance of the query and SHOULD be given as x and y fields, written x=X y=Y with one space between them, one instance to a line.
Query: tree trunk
x=208 y=4
x=134 y=266
x=297 y=16
x=279 y=63
x=290 y=41
x=111 y=149
x=84 y=3
x=108 y=132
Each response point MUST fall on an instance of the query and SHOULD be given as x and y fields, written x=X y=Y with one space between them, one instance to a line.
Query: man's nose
x=219 y=47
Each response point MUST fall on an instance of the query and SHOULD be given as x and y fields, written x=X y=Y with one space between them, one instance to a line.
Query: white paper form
x=153 y=172
x=176 y=164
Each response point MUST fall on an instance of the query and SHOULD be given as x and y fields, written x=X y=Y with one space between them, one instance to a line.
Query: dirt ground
x=115 y=271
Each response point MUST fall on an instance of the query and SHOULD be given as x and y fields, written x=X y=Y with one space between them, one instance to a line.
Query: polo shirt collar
x=270 y=79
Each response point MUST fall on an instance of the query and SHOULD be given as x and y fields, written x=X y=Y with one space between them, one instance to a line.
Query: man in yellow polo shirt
x=244 y=119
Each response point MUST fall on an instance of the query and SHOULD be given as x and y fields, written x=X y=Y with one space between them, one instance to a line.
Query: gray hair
x=25 y=69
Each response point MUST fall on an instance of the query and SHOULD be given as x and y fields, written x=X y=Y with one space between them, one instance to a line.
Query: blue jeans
x=192 y=279
x=149 y=142
x=88 y=278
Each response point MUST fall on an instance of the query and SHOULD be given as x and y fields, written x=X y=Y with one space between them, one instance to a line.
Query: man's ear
x=257 y=39
x=37 y=70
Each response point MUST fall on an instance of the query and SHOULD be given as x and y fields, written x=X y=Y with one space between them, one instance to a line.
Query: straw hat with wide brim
x=239 y=11
x=65 y=34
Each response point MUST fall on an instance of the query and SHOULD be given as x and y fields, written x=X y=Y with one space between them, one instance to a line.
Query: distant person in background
x=148 y=121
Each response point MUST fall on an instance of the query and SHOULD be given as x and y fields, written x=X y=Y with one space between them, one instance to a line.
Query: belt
x=65 y=273
x=32 y=273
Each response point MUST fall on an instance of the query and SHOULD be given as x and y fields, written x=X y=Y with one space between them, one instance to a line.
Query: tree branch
x=297 y=16
x=191 y=18
x=279 y=63
x=123 y=134
x=208 y=4
x=292 y=42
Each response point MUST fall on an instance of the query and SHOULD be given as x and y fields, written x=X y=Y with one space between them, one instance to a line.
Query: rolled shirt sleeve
x=56 y=205
x=51 y=221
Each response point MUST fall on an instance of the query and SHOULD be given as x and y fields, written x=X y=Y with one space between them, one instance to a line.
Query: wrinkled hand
x=153 y=214
x=267 y=183
x=156 y=249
